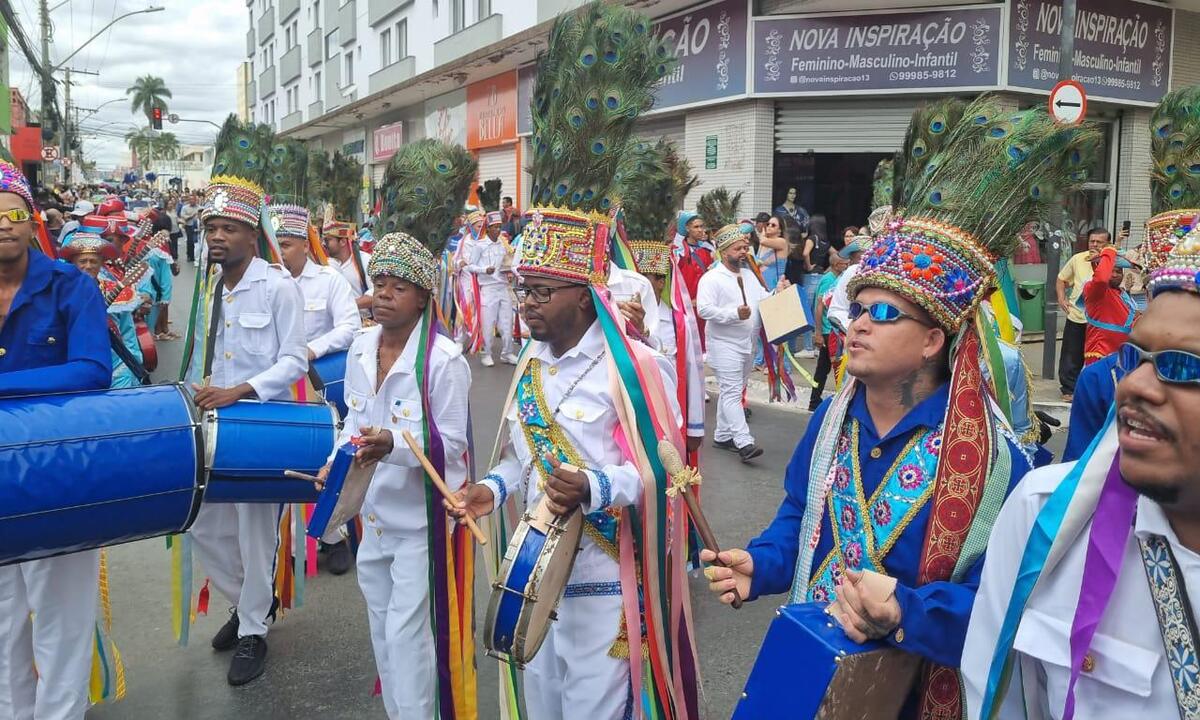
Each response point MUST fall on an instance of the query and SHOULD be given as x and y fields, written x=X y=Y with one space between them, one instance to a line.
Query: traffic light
x=156 y=118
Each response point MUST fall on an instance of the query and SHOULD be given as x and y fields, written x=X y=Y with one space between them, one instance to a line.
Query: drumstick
x=440 y=485
x=742 y=287
x=675 y=468
x=303 y=476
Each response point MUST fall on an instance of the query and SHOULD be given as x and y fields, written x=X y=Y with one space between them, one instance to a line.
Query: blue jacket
x=935 y=615
x=1095 y=390
x=55 y=338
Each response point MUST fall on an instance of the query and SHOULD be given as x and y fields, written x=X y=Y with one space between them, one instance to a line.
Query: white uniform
x=663 y=335
x=494 y=294
x=260 y=341
x=1129 y=674
x=393 y=559
x=730 y=344
x=350 y=272
x=573 y=676
x=330 y=315
x=839 y=304
x=625 y=284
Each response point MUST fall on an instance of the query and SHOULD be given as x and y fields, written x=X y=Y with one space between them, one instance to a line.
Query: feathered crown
x=595 y=78
x=718 y=208
x=649 y=186
x=425 y=186
x=235 y=190
x=342 y=179
x=286 y=176
x=971 y=176
x=1175 y=177
x=489 y=194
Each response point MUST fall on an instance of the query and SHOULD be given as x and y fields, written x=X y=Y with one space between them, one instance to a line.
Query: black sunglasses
x=1176 y=367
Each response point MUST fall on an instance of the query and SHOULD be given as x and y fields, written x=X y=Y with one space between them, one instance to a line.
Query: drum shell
x=251 y=443
x=332 y=370
x=87 y=470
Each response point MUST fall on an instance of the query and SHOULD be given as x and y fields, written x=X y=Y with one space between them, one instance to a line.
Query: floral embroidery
x=957 y=282
x=820 y=594
x=500 y=486
x=923 y=262
x=849 y=518
x=933 y=443
x=880 y=252
x=853 y=554
x=841 y=477
x=1175 y=625
x=881 y=513
x=911 y=476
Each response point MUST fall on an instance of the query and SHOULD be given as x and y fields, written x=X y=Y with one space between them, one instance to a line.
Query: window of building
x=348 y=77
x=292 y=34
x=385 y=48
x=458 y=15
x=314 y=13
x=435 y=8
x=318 y=87
x=484 y=8
x=402 y=39
x=331 y=45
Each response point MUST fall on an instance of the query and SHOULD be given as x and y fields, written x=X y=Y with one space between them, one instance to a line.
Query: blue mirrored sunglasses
x=1176 y=367
x=880 y=312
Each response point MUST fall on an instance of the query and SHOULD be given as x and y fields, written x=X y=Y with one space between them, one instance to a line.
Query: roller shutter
x=500 y=162
x=850 y=125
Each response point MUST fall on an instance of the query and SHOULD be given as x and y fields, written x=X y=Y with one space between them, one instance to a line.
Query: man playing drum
x=257 y=352
x=53 y=338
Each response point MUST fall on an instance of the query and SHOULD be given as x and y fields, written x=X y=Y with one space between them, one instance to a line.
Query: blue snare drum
x=85 y=470
x=808 y=668
x=332 y=370
x=251 y=443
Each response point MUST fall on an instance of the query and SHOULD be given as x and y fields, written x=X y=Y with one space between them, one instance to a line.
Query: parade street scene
x=600 y=360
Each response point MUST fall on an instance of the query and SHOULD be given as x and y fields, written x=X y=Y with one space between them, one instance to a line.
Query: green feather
x=1175 y=151
x=340 y=180
x=318 y=166
x=489 y=194
x=928 y=130
x=718 y=208
x=241 y=150
x=650 y=187
x=883 y=185
x=286 y=179
x=424 y=187
x=595 y=78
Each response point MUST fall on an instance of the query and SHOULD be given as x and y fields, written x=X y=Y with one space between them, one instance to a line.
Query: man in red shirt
x=695 y=256
x=1108 y=307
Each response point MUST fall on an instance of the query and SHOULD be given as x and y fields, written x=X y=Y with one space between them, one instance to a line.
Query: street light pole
x=100 y=32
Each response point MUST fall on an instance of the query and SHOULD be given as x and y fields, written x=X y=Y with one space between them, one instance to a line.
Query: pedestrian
x=189 y=215
x=809 y=260
x=1069 y=289
x=848 y=234
x=1109 y=309
x=829 y=344
x=772 y=255
x=491 y=265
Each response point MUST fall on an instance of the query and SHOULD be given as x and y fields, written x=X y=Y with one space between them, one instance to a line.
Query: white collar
x=590 y=345
x=310 y=269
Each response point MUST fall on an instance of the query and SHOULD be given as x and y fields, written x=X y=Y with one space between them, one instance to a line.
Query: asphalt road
x=320 y=663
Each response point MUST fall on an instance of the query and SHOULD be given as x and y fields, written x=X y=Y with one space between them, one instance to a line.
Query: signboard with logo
x=1122 y=47
x=354 y=144
x=492 y=111
x=446 y=117
x=892 y=52
x=709 y=45
x=385 y=141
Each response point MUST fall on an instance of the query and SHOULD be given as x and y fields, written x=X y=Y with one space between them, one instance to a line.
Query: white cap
x=82 y=207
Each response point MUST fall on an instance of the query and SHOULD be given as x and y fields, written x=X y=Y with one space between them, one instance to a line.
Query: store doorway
x=836 y=185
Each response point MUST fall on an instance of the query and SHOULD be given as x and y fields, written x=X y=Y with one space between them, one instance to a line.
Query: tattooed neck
x=917 y=386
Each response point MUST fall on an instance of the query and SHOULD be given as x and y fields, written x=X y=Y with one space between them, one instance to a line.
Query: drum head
x=498 y=595
x=548 y=581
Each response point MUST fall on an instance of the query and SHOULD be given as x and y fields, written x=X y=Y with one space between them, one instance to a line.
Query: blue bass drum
x=86 y=470
x=251 y=443
x=332 y=370
x=841 y=680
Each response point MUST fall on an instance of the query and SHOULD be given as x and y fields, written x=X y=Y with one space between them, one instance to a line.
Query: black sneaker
x=725 y=445
x=226 y=638
x=749 y=452
x=339 y=558
x=249 y=661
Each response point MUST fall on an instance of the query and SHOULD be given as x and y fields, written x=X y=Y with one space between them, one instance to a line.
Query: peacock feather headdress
x=343 y=180
x=489 y=194
x=1175 y=176
x=595 y=78
x=719 y=208
x=649 y=188
x=963 y=203
x=239 y=167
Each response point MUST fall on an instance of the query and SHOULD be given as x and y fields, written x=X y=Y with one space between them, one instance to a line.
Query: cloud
x=195 y=46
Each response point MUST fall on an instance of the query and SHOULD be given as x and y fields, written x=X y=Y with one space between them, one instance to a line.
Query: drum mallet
x=683 y=480
x=742 y=288
x=440 y=485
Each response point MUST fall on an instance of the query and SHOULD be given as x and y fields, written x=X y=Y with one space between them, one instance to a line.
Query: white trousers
x=237 y=543
x=732 y=368
x=393 y=573
x=572 y=676
x=61 y=593
x=497 y=316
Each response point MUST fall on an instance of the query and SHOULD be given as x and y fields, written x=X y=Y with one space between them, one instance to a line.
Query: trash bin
x=1031 y=296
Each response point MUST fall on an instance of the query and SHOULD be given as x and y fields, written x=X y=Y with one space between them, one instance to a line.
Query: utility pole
x=47 y=86
x=1066 y=66
x=66 y=130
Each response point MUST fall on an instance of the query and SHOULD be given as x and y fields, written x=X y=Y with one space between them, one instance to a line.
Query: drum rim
x=574 y=528
x=506 y=567
x=200 y=451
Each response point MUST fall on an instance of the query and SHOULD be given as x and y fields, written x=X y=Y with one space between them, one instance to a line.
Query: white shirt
x=260 y=339
x=839 y=304
x=588 y=418
x=395 y=500
x=1129 y=677
x=625 y=284
x=717 y=300
x=488 y=253
x=330 y=315
x=664 y=335
x=350 y=272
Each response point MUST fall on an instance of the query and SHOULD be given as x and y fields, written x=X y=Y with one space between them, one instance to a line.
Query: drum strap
x=118 y=346
x=214 y=322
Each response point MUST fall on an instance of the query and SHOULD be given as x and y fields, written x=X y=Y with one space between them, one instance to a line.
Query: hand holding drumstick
x=440 y=484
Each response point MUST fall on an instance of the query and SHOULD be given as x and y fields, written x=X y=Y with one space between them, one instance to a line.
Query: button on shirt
x=395 y=500
x=1126 y=674
x=717 y=301
x=55 y=337
x=260 y=339
x=330 y=316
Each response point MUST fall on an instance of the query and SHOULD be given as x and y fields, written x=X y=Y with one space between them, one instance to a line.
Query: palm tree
x=139 y=144
x=166 y=146
x=149 y=145
x=146 y=93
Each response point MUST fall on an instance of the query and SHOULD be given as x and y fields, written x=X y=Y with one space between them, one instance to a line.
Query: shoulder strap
x=1176 y=623
x=118 y=346
x=214 y=322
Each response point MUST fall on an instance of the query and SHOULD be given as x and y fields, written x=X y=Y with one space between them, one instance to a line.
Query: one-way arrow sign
x=1068 y=102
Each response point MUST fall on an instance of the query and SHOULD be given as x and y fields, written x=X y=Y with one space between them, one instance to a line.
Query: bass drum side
x=332 y=370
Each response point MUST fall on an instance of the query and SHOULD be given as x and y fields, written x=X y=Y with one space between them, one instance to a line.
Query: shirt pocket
x=316 y=305
x=405 y=415
x=256 y=332
x=582 y=418
x=47 y=341
x=357 y=403
x=1115 y=671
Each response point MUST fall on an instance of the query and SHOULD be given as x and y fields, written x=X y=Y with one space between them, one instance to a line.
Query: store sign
x=385 y=141
x=492 y=111
x=526 y=78
x=708 y=43
x=446 y=118
x=354 y=144
x=953 y=48
x=1122 y=48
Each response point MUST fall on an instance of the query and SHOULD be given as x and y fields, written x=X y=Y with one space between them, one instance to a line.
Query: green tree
x=149 y=145
x=146 y=93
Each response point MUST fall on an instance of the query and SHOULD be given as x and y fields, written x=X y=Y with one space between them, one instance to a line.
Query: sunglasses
x=1175 y=367
x=881 y=312
x=17 y=215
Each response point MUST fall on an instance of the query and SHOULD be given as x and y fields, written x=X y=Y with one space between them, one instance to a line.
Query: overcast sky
x=195 y=46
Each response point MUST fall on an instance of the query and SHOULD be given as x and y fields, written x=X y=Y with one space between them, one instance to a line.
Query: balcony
x=251 y=88
x=393 y=74
x=466 y=41
x=347 y=23
x=250 y=46
x=291 y=120
x=380 y=10
x=316 y=51
x=289 y=66
x=316 y=110
x=266 y=83
x=266 y=25
x=287 y=8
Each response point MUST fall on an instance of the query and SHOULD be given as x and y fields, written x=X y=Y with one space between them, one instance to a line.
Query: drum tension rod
x=531 y=597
